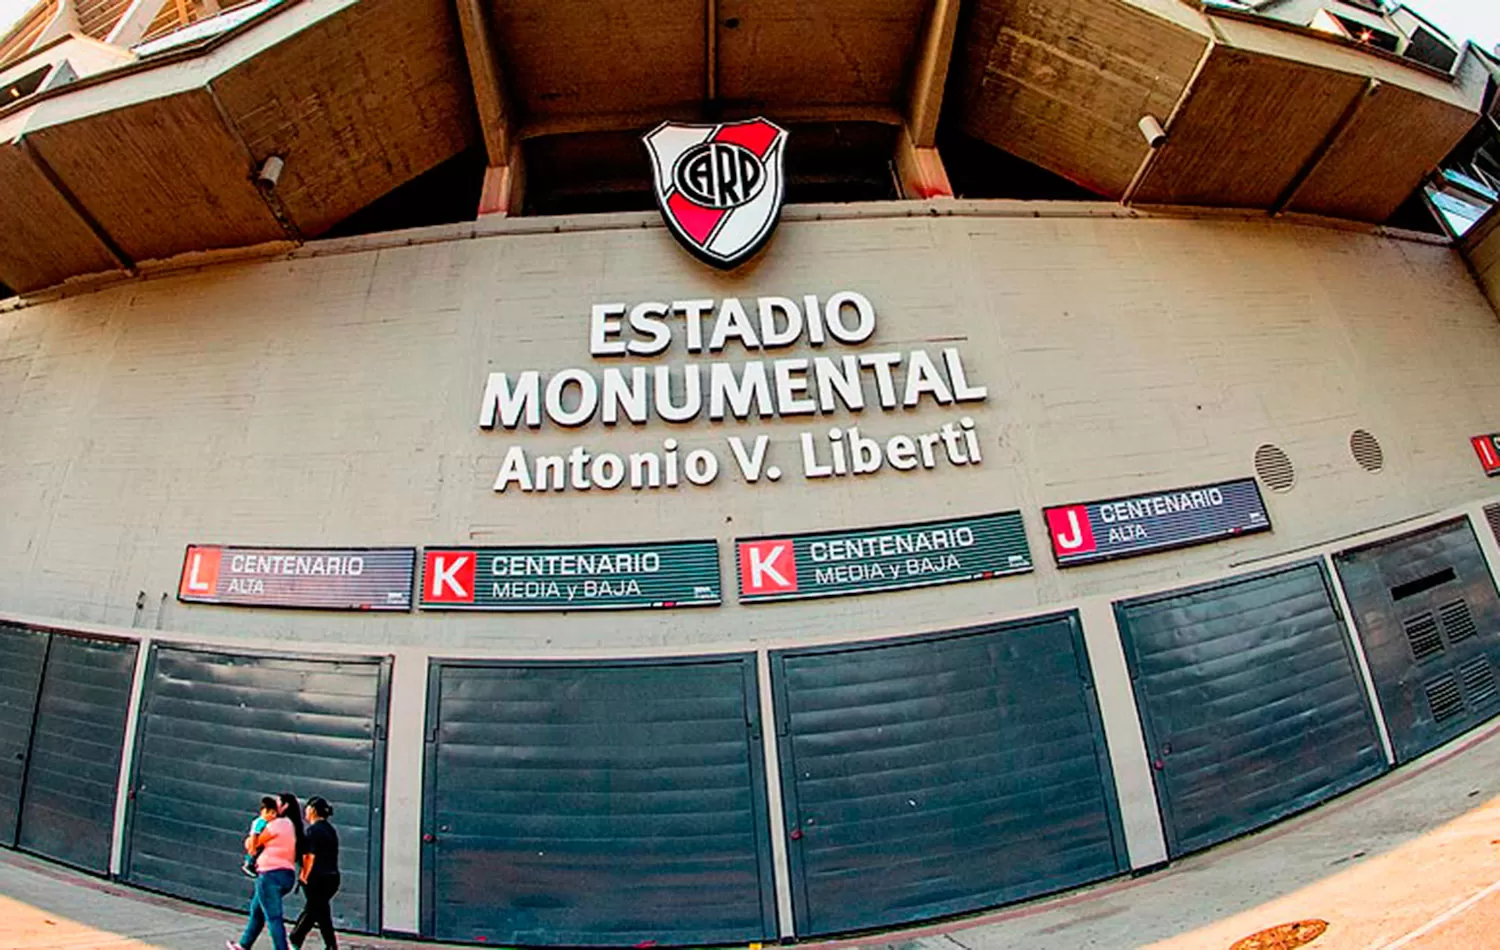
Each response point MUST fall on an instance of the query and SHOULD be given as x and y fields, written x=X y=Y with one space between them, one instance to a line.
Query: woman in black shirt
x=320 y=874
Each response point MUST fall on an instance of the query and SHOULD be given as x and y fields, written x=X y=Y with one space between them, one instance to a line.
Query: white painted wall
x=333 y=401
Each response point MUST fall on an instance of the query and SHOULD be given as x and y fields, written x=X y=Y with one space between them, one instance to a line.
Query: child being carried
x=267 y=814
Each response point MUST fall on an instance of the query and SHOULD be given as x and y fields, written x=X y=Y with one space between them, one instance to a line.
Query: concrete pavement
x=1410 y=862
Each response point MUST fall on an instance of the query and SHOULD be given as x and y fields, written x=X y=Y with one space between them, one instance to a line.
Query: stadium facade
x=1093 y=464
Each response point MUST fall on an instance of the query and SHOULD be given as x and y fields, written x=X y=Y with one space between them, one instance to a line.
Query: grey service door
x=1250 y=698
x=219 y=730
x=596 y=804
x=940 y=774
x=22 y=655
x=73 y=777
x=1426 y=609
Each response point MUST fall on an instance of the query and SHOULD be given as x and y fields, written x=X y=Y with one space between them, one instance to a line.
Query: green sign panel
x=593 y=577
x=795 y=566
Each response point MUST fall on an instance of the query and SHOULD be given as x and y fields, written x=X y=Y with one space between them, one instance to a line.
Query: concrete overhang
x=158 y=157
x=1259 y=113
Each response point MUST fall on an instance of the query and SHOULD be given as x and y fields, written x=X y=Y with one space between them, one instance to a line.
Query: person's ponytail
x=292 y=811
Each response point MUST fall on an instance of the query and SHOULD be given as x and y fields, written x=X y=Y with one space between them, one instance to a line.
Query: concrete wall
x=332 y=400
x=1482 y=248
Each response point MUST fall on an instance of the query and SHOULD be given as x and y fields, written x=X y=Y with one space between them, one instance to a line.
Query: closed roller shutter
x=596 y=804
x=69 y=810
x=219 y=730
x=1426 y=609
x=22 y=654
x=942 y=774
x=1251 y=702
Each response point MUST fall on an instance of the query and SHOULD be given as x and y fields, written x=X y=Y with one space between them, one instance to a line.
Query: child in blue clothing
x=267 y=812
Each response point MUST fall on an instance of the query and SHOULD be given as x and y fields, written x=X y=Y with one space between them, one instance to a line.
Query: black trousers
x=319 y=891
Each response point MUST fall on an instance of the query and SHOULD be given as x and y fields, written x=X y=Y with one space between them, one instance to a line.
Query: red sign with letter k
x=767 y=567
x=448 y=577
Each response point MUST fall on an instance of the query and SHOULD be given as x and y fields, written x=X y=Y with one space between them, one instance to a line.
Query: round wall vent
x=1274 y=468
x=1366 y=450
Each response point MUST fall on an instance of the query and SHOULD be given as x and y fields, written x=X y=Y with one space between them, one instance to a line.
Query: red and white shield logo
x=719 y=186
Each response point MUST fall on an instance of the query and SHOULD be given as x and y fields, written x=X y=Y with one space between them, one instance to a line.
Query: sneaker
x=231 y=945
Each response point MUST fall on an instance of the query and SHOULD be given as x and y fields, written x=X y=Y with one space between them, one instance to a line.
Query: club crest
x=719 y=186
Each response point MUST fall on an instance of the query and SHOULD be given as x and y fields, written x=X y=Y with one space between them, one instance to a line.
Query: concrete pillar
x=1128 y=757
x=405 y=748
x=1481 y=248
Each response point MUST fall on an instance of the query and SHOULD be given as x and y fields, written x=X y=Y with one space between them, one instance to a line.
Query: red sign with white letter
x=200 y=572
x=317 y=578
x=448 y=577
x=1070 y=530
x=767 y=567
x=1487 y=447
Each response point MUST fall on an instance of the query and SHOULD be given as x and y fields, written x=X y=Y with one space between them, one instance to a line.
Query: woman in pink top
x=281 y=850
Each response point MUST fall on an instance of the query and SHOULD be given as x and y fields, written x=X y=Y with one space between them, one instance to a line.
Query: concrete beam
x=920 y=169
x=504 y=187
x=132 y=26
x=1372 y=86
x=931 y=74
x=109 y=244
x=489 y=87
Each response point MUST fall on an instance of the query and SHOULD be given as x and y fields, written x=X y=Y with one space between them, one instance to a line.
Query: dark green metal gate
x=1251 y=701
x=585 y=804
x=939 y=774
x=219 y=730
x=73 y=776
x=64 y=700
x=1426 y=609
x=22 y=656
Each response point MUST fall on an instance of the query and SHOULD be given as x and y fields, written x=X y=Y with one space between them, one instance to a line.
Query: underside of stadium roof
x=142 y=131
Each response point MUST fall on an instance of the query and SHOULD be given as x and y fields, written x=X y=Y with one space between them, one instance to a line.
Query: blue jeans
x=265 y=908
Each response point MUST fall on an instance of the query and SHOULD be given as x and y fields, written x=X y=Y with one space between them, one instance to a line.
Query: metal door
x=22 y=656
x=583 y=804
x=940 y=774
x=219 y=730
x=1426 y=609
x=1251 y=701
x=68 y=812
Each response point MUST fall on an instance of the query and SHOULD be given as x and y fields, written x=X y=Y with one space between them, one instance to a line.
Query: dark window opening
x=587 y=173
x=1369 y=35
x=444 y=194
x=1467 y=183
x=1415 y=214
x=24 y=86
x=1423 y=584
x=977 y=169
x=841 y=162
x=1427 y=48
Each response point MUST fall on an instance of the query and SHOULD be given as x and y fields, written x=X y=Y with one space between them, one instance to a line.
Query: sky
x=1477 y=20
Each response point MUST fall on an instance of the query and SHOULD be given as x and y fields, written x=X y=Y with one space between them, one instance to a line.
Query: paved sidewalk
x=1410 y=862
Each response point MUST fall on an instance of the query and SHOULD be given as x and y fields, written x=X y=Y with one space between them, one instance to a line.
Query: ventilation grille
x=1492 y=515
x=1444 y=699
x=1458 y=623
x=1479 y=680
x=1274 y=468
x=1422 y=634
x=1366 y=450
